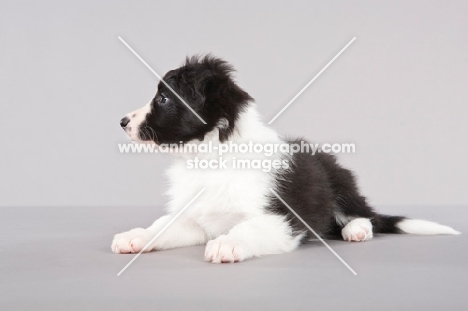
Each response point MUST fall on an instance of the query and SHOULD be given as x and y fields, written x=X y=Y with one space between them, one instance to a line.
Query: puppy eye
x=163 y=99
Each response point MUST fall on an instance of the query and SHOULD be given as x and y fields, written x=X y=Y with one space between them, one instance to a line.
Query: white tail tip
x=424 y=227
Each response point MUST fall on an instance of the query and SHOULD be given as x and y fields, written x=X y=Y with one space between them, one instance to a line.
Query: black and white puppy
x=238 y=216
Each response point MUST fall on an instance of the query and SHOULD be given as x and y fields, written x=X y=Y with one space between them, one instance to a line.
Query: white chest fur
x=231 y=195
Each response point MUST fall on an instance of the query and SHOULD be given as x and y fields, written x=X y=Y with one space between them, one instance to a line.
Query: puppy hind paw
x=357 y=230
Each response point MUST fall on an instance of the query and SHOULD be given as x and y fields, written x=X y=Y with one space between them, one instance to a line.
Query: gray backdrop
x=398 y=92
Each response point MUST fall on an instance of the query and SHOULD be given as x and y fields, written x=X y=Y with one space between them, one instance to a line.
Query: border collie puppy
x=238 y=216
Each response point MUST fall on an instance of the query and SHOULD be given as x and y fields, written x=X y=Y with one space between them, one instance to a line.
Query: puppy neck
x=249 y=127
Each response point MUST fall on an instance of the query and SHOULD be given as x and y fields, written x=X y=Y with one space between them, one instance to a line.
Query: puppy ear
x=201 y=87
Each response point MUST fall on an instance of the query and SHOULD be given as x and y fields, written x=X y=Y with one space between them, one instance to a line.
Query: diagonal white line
x=312 y=230
x=159 y=77
x=160 y=232
x=313 y=79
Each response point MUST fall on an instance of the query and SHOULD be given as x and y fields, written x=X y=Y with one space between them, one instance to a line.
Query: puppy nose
x=124 y=122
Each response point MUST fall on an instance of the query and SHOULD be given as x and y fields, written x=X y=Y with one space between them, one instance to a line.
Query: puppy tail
x=398 y=224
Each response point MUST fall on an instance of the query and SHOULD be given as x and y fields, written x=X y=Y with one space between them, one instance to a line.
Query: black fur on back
x=317 y=188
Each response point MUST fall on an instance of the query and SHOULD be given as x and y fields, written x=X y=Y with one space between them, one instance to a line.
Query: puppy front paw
x=225 y=249
x=132 y=241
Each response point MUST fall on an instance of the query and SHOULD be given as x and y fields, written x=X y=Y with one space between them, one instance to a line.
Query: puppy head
x=207 y=87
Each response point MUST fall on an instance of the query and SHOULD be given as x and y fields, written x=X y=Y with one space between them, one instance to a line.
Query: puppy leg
x=182 y=232
x=357 y=230
x=261 y=235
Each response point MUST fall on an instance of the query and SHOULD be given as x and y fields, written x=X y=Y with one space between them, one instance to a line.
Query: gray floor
x=59 y=258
